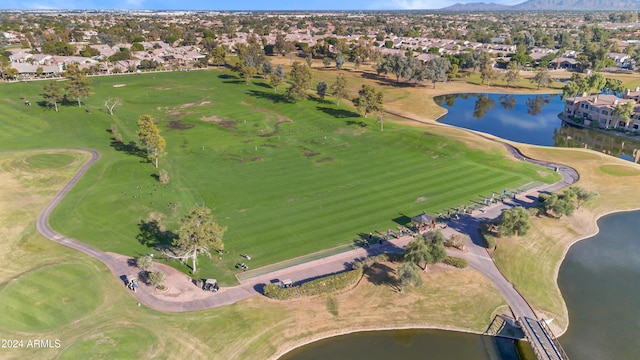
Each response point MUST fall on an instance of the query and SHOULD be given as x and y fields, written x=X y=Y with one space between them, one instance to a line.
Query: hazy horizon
x=241 y=5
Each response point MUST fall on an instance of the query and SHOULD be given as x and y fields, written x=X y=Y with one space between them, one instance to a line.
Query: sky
x=241 y=4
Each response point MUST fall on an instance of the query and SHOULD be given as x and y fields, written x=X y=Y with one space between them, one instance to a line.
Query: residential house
x=600 y=109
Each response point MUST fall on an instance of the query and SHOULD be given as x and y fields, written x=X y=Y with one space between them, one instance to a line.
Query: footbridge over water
x=544 y=344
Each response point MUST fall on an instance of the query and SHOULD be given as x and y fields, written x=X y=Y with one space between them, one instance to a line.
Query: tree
x=515 y=221
x=541 y=78
x=299 y=78
x=558 y=205
x=78 y=84
x=409 y=274
x=218 y=56
x=436 y=70
x=624 y=112
x=582 y=195
x=149 y=135
x=488 y=74
x=513 y=73
x=427 y=248
x=110 y=104
x=339 y=88
x=339 y=62
x=144 y=263
x=417 y=252
x=277 y=77
x=267 y=68
x=326 y=61
x=156 y=278
x=369 y=100
x=198 y=233
x=322 y=89
x=52 y=94
x=247 y=72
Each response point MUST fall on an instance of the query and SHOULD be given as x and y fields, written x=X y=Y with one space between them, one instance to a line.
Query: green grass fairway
x=50 y=292
x=56 y=296
x=286 y=179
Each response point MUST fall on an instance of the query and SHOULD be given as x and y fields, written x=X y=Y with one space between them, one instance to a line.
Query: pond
x=530 y=119
x=407 y=344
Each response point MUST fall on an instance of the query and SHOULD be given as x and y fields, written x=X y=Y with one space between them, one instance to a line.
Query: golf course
x=286 y=179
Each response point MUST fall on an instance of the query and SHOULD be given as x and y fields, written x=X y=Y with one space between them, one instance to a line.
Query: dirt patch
x=281 y=118
x=119 y=85
x=179 y=125
x=202 y=103
x=257 y=159
x=227 y=124
x=309 y=152
x=325 y=159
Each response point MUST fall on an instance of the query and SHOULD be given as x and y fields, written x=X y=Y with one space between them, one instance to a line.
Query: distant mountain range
x=558 y=5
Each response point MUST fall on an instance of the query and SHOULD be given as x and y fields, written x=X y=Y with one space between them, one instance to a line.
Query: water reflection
x=508 y=102
x=571 y=136
x=483 y=105
x=531 y=119
x=537 y=103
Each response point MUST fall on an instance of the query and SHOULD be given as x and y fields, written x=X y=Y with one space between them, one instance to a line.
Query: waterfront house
x=599 y=109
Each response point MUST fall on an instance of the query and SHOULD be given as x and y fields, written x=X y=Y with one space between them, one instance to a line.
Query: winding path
x=477 y=256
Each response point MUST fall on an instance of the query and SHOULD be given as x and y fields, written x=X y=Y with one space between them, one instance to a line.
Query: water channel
x=597 y=278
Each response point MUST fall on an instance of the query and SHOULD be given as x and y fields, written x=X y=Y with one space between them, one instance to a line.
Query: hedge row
x=324 y=285
x=460 y=263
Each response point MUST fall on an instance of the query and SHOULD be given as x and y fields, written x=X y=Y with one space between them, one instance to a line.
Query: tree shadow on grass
x=382 y=275
x=276 y=98
x=152 y=235
x=130 y=148
x=338 y=113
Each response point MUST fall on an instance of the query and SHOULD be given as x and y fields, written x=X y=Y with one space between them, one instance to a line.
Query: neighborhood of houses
x=34 y=63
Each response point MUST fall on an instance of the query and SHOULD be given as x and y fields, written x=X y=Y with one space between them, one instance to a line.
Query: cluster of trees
x=77 y=86
x=410 y=68
x=566 y=203
x=595 y=82
x=517 y=220
x=426 y=249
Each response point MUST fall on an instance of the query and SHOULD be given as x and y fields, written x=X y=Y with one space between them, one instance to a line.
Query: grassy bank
x=51 y=292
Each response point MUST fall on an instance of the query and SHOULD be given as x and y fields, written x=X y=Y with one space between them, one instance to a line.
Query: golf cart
x=210 y=285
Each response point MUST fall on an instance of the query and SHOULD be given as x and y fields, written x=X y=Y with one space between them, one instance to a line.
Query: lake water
x=407 y=344
x=530 y=119
x=599 y=281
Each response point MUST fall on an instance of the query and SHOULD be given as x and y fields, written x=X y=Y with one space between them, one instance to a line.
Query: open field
x=286 y=179
x=53 y=293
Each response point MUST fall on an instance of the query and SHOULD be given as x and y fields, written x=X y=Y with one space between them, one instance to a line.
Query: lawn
x=286 y=179
x=49 y=292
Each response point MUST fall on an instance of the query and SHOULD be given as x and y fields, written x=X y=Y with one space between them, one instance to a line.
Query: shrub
x=163 y=176
x=489 y=239
x=460 y=263
x=324 y=285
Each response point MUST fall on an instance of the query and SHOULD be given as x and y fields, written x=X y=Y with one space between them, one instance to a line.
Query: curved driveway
x=477 y=256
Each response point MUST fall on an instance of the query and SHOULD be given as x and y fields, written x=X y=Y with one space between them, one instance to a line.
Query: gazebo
x=424 y=219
